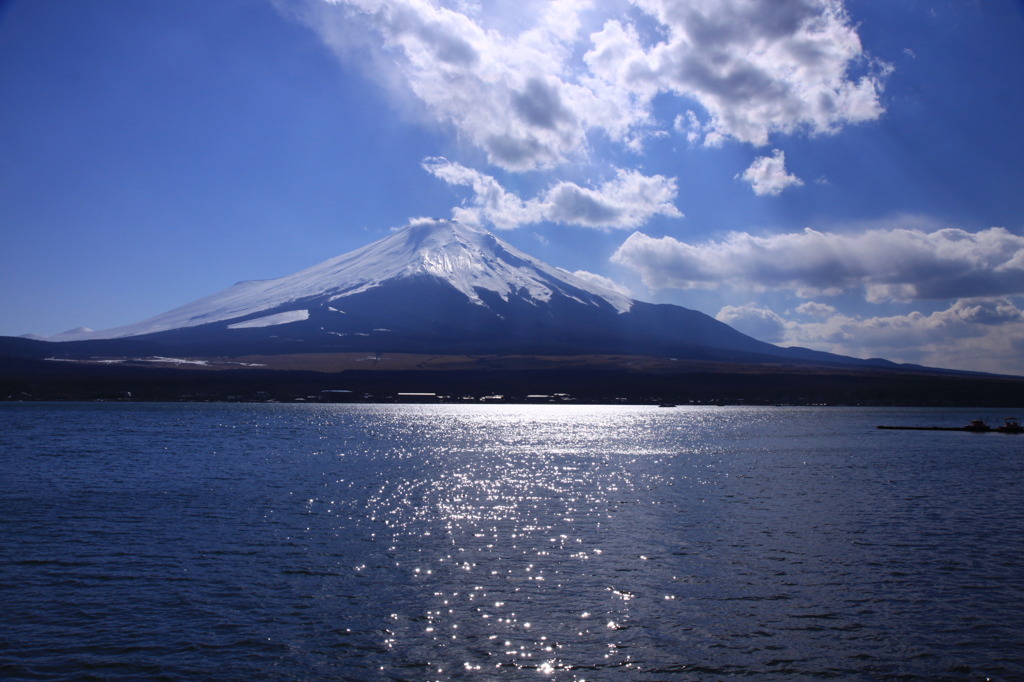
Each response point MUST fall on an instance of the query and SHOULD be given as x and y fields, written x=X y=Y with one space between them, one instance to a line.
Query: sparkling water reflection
x=481 y=542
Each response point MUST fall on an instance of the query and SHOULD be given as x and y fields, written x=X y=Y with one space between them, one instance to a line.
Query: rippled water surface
x=506 y=542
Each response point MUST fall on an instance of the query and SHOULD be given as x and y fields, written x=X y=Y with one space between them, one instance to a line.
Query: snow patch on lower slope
x=272 y=320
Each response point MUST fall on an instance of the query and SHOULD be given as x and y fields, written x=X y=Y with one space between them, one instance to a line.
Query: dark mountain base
x=520 y=380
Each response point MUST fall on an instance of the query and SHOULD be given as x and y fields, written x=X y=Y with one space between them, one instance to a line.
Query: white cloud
x=689 y=125
x=753 y=320
x=531 y=96
x=978 y=334
x=767 y=175
x=887 y=265
x=756 y=67
x=815 y=309
x=603 y=282
x=490 y=203
x=984 y=334
x=513 y=96
x=626 y=201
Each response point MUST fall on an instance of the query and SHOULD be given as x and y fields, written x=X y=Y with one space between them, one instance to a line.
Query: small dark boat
x=1012 y=425
x=977 y=425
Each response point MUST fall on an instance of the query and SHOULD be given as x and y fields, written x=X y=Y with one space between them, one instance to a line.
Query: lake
x=414 y=542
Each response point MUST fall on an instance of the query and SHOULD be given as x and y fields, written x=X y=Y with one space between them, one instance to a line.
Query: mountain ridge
x=434 y=287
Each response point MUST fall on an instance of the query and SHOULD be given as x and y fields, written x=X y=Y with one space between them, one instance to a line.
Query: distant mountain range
x=437 y=287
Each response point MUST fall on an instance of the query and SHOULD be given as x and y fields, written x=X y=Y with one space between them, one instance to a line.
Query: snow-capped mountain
x=438 y=287
x=471 y=260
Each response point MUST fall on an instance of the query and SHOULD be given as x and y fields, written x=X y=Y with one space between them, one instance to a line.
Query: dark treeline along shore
x=532 y=381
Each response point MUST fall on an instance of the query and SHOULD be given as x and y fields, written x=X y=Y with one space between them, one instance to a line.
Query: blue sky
x=841 y=176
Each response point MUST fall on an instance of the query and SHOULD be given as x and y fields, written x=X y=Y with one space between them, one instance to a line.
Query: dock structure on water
x=1011 y=425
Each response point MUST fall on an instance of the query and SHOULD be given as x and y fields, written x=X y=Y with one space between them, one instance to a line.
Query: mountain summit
x=439 y=287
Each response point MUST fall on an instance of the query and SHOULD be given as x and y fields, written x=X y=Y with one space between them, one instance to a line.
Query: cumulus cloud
x=767 y=175
x=753 y=320
x=532 y=98
x=985 y=334
x=755 y=67
x=815 y=309
x=626 y=201
x=490 y=202
x=886 y=265
x=513 y=96
x=602 y=282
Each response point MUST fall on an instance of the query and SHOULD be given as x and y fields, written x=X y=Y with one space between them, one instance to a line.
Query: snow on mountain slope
x=468 y=258
x=272 y=320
